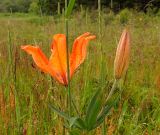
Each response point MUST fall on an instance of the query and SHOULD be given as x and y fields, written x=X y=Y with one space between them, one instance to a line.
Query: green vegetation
x=25 y=91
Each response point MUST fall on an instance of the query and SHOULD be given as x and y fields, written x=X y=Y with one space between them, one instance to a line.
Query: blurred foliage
x=124 y=16
x=34 y=8
x=50 y=6
x=14 y=5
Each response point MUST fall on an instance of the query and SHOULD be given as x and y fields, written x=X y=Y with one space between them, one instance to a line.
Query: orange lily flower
x=56 y=65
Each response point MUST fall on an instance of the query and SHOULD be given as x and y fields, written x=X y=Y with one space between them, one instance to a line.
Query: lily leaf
x=60 y=113
x=73 y=121
x=109 y=104
x=93 y=110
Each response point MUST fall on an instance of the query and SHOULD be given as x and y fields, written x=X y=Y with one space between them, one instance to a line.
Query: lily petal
x=38 y=56
x=57 y=60
x=41 y=60
x=79 y=51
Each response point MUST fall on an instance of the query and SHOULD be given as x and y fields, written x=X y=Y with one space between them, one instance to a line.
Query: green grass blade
x=70 y=8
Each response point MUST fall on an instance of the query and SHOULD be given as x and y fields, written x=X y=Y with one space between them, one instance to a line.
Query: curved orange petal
x=38 y=56
x=41 y=61
x=79 y=51
x=57 y=59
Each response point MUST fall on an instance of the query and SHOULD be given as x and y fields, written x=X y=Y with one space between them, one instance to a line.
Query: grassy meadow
x=25 y=91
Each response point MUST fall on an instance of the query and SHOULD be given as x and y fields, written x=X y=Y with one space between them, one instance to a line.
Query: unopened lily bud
x=122 y=55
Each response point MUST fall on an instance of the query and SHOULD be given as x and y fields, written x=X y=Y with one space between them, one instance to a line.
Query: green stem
x=59 y=8
x=68 y=70
x=113 y=89
x=99 y=17
x=111 y=4
x=66 y=5
x=100 y=39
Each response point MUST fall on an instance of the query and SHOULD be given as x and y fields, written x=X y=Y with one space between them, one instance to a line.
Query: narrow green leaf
x=91 y=104
x=94 y=115
x=70 y=8
x=93 y=110
x=60 y=113
x=73 y=121
x=110 y=103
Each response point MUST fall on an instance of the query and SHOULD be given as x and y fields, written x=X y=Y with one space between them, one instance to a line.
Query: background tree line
x=50 y=6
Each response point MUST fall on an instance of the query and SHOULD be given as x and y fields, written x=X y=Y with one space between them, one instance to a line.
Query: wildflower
x=56 y=66
x=122 y=55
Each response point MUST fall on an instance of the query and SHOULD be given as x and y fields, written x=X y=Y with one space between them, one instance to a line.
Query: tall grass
x=138 y=111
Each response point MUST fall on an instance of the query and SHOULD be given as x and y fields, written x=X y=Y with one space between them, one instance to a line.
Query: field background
x=25 y=91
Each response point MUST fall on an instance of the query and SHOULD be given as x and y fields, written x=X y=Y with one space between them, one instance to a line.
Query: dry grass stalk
x=98 y=131
x=2 y=104
x=157 y=82
x=12 y=99
x=111 y=128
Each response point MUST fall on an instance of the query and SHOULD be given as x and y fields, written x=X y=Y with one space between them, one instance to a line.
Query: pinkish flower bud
x=122 y=55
